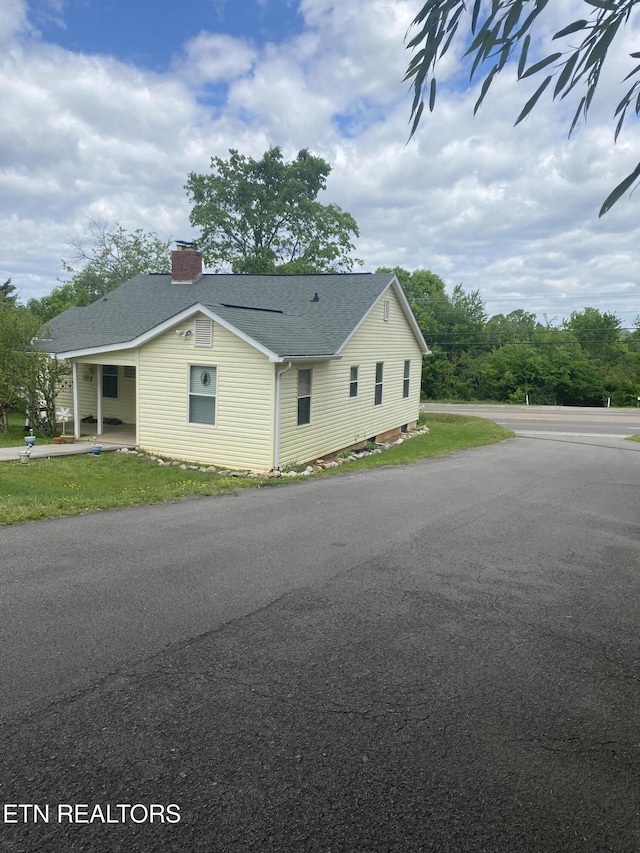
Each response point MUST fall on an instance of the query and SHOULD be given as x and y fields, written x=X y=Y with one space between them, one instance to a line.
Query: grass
x=634 y=438
x=447 y=432
x=16 y=434
x=71 y=485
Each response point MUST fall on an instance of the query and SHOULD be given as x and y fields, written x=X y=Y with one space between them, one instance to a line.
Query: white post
x=608 y=402
x=76 y=399
x=99 y=426
x=526 y=397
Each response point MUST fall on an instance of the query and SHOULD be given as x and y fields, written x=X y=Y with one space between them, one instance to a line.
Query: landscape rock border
x=320 y=464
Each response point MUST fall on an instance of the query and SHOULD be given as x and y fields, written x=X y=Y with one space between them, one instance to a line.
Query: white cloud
x=13 y=19
x=213 y=58
x=511 y=212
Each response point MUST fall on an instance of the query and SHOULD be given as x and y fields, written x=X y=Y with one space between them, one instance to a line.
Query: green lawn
x=16 y=434
x=634 y=438
x=75 y=484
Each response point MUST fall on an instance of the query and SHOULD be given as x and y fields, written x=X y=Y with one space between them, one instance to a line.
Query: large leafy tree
x=597 y=332
x=262 y=216
x=105 y=258
x=501 y=31
x=17 y=328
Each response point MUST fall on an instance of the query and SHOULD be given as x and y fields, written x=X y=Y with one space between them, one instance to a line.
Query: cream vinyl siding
x=338 y=420
x=243 y=434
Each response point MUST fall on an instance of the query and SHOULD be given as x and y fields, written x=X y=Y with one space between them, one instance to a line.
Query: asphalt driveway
x=442 y=657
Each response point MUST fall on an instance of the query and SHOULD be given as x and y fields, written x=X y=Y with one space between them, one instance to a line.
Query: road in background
x=555 y=421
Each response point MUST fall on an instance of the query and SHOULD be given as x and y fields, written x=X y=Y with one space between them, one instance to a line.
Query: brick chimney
x=186 y=263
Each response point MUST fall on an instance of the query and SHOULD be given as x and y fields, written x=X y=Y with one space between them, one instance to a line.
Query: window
x=304 y=396
x=353 y=382
x=110 y=380
x=386 y=313
x=202 y=394
x=203 y=332
x=378 y=392
x=405 y=380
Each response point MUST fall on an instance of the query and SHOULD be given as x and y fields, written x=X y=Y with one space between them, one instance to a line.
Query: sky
x=107 y=106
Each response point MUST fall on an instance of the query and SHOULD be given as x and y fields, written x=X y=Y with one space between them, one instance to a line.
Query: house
x=244 y=371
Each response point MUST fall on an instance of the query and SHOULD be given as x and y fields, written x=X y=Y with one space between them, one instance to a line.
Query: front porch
x=123 y=435
x=99 y=393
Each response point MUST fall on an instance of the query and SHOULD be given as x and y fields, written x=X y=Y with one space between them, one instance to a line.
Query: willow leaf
x=620 y=190
x=533 y=100
x=572 y=28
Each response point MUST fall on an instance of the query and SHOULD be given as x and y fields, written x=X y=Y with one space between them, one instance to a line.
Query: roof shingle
x=280 y=312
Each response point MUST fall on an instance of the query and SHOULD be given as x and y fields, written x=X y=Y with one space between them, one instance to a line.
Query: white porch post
x=100 y=428
x=76 y=399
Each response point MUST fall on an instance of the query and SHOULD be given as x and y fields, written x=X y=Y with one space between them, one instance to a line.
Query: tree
x=42 y=378
x=261 y=216
x=501 y=32
x=17 y=328
x=516 y=327
x=597 y=333
x=8 y=295
x=62 y=297
x=109 y=256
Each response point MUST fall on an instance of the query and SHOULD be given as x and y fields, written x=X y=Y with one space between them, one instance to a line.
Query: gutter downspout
x=276 y=448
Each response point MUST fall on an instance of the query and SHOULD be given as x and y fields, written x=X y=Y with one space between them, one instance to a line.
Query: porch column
x=76 y=399
x=100 y=428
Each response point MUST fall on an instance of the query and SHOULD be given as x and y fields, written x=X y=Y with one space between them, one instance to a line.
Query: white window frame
x=378 y=384
x=386 y=310
x=300 y=397
x=205 y=368
x=406 y=377
x=353 y=382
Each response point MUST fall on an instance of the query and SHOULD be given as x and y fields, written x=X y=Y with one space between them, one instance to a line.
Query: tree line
x=263 y=216
x=586 y=359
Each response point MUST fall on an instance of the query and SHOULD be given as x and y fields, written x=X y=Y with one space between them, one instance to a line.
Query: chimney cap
x=185 y=244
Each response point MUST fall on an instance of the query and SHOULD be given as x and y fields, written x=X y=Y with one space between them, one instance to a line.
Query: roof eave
x=185 y=314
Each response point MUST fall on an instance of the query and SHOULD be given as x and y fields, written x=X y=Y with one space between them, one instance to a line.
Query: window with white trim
x=405 y=379
x=202 y=394
x=203 y=332
x=304 y=396
x=378 y=390
x=386 y=311
x=353 y=381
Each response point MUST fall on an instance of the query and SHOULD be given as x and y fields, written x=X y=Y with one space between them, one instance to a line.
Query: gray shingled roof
x=279 y=312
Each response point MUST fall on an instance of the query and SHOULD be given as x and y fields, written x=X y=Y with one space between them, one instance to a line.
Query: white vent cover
x=386 y=310
x=203 y=333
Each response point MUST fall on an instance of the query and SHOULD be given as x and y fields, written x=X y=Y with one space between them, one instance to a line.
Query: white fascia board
x=168 y=324
x=300 y=359
x=406 y=308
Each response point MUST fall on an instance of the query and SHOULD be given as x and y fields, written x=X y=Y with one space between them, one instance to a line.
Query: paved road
x=554 y=421
x=437 y=658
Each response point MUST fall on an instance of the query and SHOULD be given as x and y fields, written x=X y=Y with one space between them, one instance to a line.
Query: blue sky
x=148 y=34
x=107 y=106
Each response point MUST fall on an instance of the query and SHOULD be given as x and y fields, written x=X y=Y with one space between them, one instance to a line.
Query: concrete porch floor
x=123 y=435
